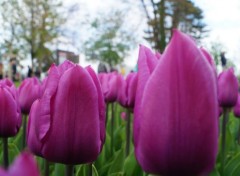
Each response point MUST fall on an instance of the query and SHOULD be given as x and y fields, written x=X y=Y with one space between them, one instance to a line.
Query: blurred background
x=106 y=33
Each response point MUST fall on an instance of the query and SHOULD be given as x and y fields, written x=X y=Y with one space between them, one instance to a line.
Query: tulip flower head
x=131 y=87
x=29 y=91
x=10 y=116
x=67 y=124
x=109 y=83
x=227 y=88
x=177 y=124
x=121 y=90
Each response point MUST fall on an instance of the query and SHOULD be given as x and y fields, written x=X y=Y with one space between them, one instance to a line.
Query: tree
x=165 y=15
x=111 y=39
x=33 y=24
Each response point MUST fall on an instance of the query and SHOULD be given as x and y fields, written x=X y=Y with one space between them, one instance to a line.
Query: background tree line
x=30 y=28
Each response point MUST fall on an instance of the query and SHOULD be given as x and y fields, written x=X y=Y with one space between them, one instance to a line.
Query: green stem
x=24 y=131
x=112 y=129
x=5 y=152
x=69 y=170
x=128 y=132
x=46 y=169
x=90 y=169
x=224 y=125
x=239 y=133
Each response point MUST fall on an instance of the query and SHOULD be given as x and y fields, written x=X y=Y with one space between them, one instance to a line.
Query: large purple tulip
x=24 y=165
x=227 y=88
x=67 y=125
x=236 y=109
x=29 y=91
x=10 y=116
x=177 y=120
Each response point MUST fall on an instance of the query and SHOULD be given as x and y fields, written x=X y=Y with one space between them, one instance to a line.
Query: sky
x=222 y=18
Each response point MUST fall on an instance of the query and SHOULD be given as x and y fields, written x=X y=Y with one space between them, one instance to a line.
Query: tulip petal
x=146 y=64
x=33 y=140
x=101 y=104
x=45 y=108
x=65 y=66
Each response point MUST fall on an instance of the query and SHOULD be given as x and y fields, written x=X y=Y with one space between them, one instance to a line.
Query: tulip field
x=175 y=116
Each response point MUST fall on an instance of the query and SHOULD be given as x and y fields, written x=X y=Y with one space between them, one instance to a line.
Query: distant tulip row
x=176 y=98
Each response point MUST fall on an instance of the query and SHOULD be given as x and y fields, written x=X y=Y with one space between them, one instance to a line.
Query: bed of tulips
x=174 y=117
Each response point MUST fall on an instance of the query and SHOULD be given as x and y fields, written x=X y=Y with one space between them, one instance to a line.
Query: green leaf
x=131 y=167
x=117 y=164
x=117 y=174
x=59 y=170
x=233 y=165
x=214 y=172
x=95 y=173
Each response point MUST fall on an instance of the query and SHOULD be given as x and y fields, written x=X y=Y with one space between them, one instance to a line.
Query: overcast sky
x=222 y=18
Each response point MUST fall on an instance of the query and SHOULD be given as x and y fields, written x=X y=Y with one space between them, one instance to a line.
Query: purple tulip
x=227 y=88
x=236 y=109
x=131 y=82
x=23 y=165
x=29 y=91
x=103 y=79
x=70 y=114
x=109 y=83
x=177 y=120
x=121 y=90
x=10 y=116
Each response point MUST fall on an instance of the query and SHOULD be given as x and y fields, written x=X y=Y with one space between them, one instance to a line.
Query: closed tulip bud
x=227 y=88
x=24 y=165
x=121 y=91
x=109 y=86
x=236 y=109
x=70 y=114
x=29 y=91
x=131 y=82
x=103 y=79
x=10 y=116
x=177 y=123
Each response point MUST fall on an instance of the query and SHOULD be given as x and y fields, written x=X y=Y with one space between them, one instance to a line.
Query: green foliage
x=111 y=40
x=232 y=149
x=30 y=26
x=166 y=15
